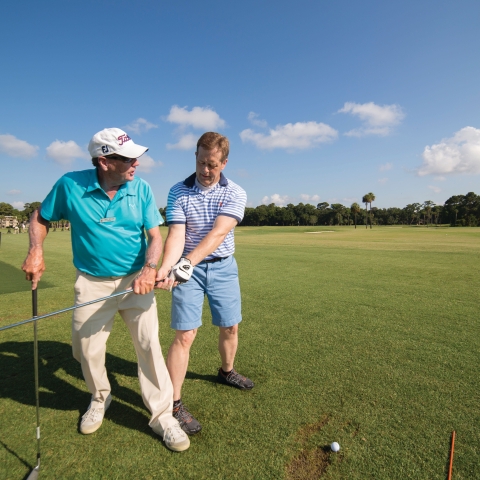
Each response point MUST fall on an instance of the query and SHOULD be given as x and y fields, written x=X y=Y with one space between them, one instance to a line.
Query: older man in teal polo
x=110 y=210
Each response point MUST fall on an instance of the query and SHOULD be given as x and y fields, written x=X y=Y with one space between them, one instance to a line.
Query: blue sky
x=321 y=101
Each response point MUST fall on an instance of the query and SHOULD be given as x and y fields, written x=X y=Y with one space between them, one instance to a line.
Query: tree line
x=7 y=210
x=458 y=210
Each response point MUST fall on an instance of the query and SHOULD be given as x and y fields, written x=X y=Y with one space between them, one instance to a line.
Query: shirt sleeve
x=151 y=215
x=235 y=206
x=54 y=207
x=175 y=211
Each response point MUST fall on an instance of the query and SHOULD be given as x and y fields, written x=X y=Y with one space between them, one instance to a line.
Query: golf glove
x=182 y=271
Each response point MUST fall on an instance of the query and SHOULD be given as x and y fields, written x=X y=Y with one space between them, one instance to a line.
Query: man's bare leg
x=177 y=364
x=227 y=346
x=178 y=357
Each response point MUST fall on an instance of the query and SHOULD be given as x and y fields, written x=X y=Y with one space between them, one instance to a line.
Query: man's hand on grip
x=182 y=271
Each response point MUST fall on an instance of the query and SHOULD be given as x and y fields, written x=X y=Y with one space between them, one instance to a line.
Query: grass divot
x=309 y=462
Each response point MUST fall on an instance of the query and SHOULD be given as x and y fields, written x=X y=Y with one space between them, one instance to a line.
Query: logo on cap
x=123 y=138
x=105 y=149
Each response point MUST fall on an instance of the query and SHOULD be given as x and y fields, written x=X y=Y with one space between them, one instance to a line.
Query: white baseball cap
x=114 y=140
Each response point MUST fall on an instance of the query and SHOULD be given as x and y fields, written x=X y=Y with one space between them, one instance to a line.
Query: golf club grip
x=34 y=303
x=23 y=322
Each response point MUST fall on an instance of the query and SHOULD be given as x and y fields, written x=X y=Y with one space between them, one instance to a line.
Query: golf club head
x=34 y=473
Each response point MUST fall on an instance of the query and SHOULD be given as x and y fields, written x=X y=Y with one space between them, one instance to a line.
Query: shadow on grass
x=55 y=361
x=198 y=376
x=20 y=459
x=13 y=280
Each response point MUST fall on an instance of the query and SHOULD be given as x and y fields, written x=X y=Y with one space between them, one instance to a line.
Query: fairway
x=365 y=337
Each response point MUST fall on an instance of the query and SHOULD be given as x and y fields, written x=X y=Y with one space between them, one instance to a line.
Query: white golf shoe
x=175 y=438
x=93 y=417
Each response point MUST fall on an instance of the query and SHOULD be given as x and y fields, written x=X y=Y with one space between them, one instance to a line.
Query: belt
x=216 y=259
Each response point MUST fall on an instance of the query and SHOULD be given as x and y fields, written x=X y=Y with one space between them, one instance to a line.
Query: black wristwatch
x=151 y=265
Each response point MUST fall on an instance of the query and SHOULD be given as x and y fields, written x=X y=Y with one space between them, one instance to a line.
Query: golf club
x=34 y=319
x=34 y=473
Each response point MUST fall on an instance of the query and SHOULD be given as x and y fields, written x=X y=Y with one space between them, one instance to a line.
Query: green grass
x=366 y=337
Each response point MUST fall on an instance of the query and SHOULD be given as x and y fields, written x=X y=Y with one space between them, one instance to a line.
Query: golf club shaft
x=35 y=355
x=34 y=319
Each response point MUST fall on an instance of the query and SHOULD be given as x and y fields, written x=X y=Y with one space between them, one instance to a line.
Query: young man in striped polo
x=202 y=213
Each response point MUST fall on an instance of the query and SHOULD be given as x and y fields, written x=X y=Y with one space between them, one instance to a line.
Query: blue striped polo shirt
x=198 y=210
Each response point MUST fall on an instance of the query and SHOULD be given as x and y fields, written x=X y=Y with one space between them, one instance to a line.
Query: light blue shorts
x=219 y=282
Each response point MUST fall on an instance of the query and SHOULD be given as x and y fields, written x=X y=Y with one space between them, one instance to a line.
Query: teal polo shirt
x=108 y=236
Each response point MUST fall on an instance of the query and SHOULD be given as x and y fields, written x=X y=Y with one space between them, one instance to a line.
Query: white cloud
x=18 y=205
x=382 y=181
x=254 y=120
x=14 y=192
x=298 y=135
x=147 y=163
x=186 y=142
x=15 y=147
x=458 y=154
x=280 y=200
x=386 y=167
x=310 y=198
x=349 y=199
x=199 y=118
x=377 y=119
x=64 y=153
x=439 y=178
x=139 y=126
x=434 y=188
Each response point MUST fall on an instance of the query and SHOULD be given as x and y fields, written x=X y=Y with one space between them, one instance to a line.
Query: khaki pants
x=91 y=327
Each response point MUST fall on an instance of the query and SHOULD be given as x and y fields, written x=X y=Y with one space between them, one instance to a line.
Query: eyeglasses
x=121 y=159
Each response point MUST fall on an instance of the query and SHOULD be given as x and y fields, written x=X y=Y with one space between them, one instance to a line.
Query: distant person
x=202 y=213
x=109 y=210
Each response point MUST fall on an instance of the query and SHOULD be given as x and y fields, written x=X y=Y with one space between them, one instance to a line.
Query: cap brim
x=132 y=150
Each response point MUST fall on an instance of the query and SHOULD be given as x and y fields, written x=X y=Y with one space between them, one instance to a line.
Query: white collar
x=203 y=188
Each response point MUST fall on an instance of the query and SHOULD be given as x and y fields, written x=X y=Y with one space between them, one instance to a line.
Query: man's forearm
x=207 y=246
x=145 y=280
x=154 y=250
x=38 y=231
x=34 y=265
x=222 y=226
x=174 y=245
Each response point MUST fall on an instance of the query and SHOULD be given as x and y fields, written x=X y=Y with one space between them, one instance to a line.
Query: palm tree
x=371 y=198
x=366 y=202
x=368 y=199
x=355 y=209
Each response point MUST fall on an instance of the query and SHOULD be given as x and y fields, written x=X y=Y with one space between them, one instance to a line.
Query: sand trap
x=324 y=231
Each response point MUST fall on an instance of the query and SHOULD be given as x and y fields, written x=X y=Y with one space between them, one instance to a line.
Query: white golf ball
x=335 y=447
